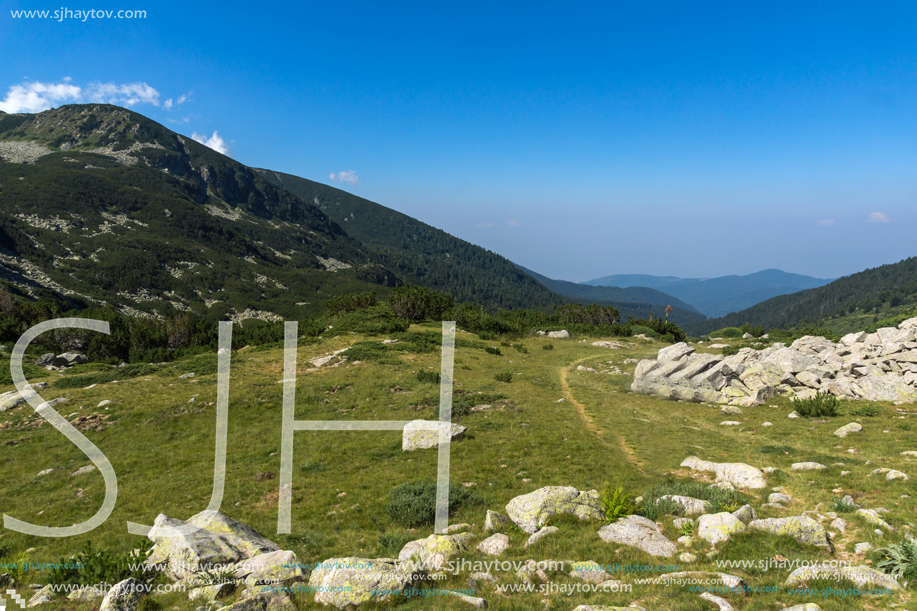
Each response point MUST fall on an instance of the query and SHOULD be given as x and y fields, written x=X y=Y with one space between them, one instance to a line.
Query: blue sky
x=578 y=140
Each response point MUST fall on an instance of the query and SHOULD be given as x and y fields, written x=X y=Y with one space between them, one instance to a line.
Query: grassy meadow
x=551 y=425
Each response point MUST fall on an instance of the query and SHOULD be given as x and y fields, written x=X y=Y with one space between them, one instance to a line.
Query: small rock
x=538 y=536
x=495 y=545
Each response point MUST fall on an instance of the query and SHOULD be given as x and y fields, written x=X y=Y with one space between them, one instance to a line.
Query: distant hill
x=719 y=296
x=421 y=254
x=877 y=293
x=104 y=206
x=638 y=302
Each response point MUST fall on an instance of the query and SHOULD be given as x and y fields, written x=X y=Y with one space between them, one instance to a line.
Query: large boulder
x=674 y=352
x=639 y=532
x=351 y=582
x=125 y=595
x=281 y=567
x=434 y=551
x=802 y=528
x=738 y=474
x=718 y=527
x=208 y=540
x=533 y=510
x=423 y=434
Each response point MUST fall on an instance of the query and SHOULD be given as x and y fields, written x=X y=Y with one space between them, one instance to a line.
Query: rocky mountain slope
x=104 y=206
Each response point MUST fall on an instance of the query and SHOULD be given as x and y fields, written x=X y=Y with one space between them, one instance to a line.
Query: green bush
x=428 y=377
x=728 y=332
x=867 y=410
x=898 y=560
x=721 y=499
x=548 y=347
x=821 y=405
x=841 y=506
x=92 y=566
x=351 y=303
x=521 y=348
x=617 y=502
x=416 y=303
x=493 y=350
x=377 y=320
x=414 y=504
x=503 y=377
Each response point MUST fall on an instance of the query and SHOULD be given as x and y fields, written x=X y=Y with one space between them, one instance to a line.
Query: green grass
x=161 y=446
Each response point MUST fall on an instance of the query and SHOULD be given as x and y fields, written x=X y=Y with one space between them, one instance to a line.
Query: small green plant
x=392 y=543
x=548 y=347
x=617 y=502
x=686 y=529
x=867 y=411
x=655 y=509
x=503 y=377
x=414 y=504
x=898 y=560
x=842 y=506
x=493 y=350
x=521 y=348
x=100 y=566
x=17 y=569
x=821 y=405
x=428 y=377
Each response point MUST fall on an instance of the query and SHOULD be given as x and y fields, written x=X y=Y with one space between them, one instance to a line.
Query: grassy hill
x=110 y=208
x=846 y=304
x=421 y=254
x=719 y=296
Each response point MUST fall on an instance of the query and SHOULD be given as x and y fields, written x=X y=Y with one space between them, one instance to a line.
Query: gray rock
x=859 y=575
x=541 y=534
x=807 y=466
x=345 y=582
x=689 y=505
x=495 y=521
x=125 y=595
x=42 y=596
x=863 y=548
x=532 y=511
x=720 y=603
x=87 y=593
x=637 y=531
x=589 y=571
x=435 y=550
x=802 y=528
x=839 y=524
x=475 y=602
x=423 y=434
x=779 y=497
x=853 y=427
x=280 y=567
x=564 y=334
x=746 y=513
x=494 y=545
x=719 y=527
x=738 y=474
x=674 y=352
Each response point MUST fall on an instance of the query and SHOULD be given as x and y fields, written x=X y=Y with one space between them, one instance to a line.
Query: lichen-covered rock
x=42 y=596
x=804 y=607
x=746 y=513
x=874 y=519
x=495 y=521
x=589 y=571
x=859 y=575
x=718 y=527
x=214 y=592
x=241 y=536
x=435 y=550
x=423 y=434
x=182 y=549
x=532 y=511
x=282 y=567
x=802 y=528
x=606 y=608
x=346 y=582
x=125 y=595
x=641 y=533
x=254 y=603
x=720 y=603
x=494 y=545
x=738 y=474
x=87 y=593
x=541 y=534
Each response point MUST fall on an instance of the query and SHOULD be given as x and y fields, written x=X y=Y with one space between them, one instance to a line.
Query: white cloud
x=167 y=104
x=183 y=98
x=127 y=94
x=36 y=97
x=214 y=142
x=348 y=176
x=878 y=217
x=826 y=223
